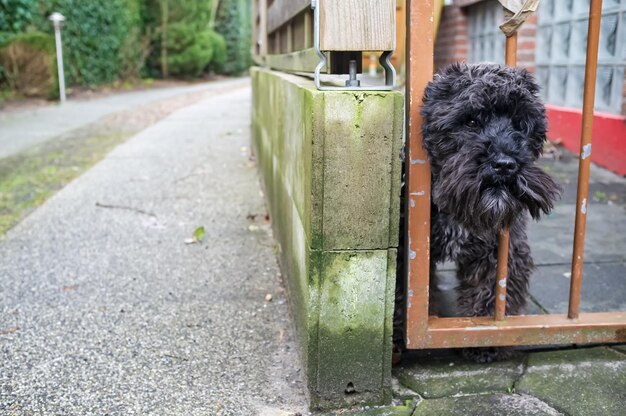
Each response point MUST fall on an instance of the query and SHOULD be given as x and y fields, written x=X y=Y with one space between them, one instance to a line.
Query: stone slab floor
x=582 y=381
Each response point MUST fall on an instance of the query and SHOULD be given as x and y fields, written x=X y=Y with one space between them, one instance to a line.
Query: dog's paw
x=487 y=355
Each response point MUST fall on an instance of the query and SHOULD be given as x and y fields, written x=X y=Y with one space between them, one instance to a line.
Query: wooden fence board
x=357 y=25
x=282 y=11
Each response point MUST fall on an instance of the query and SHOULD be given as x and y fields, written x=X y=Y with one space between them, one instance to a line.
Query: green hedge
x=234 y=23
x=94 y=36
x=104 y=41
x=17 y=15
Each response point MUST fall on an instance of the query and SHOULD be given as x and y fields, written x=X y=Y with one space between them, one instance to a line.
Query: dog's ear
x=445 y=82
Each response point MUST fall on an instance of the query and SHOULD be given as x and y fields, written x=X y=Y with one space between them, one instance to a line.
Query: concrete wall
x=330 y=163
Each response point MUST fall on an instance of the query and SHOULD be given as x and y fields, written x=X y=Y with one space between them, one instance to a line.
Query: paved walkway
x=104 y=308
x=23 y=129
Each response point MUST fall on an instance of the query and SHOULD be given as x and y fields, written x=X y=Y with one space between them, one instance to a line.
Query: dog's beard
x=470 y=194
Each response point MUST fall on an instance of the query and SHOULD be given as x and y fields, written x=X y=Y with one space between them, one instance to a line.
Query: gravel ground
x=104 y=308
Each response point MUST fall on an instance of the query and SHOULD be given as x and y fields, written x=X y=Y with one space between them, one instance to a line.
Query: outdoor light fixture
x=57 y=20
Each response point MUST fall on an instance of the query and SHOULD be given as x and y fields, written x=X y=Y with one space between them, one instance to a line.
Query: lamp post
x=57 y=19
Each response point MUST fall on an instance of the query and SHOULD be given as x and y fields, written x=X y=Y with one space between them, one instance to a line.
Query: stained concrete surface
x=104 y=308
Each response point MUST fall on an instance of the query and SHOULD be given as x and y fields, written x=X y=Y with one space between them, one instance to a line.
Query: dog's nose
x=504 y=165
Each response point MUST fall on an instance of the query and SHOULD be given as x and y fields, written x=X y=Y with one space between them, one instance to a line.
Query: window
x=486 y=40
x=561 y=47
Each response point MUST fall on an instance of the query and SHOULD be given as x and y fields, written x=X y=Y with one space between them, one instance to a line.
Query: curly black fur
x=484 y=128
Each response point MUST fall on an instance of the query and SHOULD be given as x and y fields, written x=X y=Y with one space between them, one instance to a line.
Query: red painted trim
x=608 y=141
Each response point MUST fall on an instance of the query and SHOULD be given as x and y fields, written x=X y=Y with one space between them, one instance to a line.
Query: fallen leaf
x=268 y=297
x=198 y=234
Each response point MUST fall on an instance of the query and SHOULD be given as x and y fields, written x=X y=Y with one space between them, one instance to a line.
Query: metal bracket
x=351 y=85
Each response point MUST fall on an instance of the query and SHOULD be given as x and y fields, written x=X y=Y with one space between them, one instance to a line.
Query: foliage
x=28 y=63
x=17 y=15
x=94 y=34
x=188 y=51
x=233 y=22
x=183 y=44
x=219 y=52
x=105 y=41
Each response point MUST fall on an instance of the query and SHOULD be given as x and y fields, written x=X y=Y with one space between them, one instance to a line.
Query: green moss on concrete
x=485 y=405
x=331 y=166
x=578 y=382
x=359 y=169
x=434 y=378
x=353 y=315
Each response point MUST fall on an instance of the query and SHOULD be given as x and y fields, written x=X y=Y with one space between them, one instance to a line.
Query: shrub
x=17 y=15
x=28 y=61
x=219 y=52
x=233 y=22
x=188 y=51
x=94 y=36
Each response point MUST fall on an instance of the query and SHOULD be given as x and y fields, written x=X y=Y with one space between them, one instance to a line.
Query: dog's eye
x=471 y=123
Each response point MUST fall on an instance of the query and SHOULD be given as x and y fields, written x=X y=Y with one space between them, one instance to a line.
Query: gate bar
x=591 y=66
x=503 y=236
x=483 y=331
x=420 y=68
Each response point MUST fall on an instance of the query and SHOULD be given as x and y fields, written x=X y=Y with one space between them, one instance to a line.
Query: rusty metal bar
x=501 y=275
x=510 y=58
x=420 y=68
x=503 y=236
x=584 y=164
x=601 y=327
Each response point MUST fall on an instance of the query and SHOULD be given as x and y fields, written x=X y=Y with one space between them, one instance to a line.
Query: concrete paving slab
x=577 y=382
x=105 y=310
x=436 y=377
x=485 y=405
x=603 y=287
x=552 y=237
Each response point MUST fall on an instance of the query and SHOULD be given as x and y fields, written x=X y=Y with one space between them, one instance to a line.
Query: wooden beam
x=357 y=25
x=282 y=11
x=300 y=61
x=524 y=330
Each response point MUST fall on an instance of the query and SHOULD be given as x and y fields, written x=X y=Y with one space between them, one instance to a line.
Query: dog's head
x=484 y=127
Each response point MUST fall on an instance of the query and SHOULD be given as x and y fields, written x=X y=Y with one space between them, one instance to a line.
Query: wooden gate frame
x=424 y=331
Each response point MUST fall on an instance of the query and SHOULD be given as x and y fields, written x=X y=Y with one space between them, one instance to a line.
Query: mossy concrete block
x=620 y=347
x=330 y=166
x=434 y=378
x=352 y=325
x=485 y=405
x=361 y=170
x=578 y=382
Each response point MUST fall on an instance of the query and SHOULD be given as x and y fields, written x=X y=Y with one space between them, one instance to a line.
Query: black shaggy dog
x=484 y=127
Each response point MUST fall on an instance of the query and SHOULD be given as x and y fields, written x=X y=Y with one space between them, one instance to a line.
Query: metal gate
x=424 y=331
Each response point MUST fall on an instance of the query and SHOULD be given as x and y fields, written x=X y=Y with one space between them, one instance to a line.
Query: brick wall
x=451 y=43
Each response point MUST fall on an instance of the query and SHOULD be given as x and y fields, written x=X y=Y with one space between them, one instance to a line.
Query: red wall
x=608 y=144
x=609 y=131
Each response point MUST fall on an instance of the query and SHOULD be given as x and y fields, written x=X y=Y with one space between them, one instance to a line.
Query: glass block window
x=561 y=47
x=486 y=40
